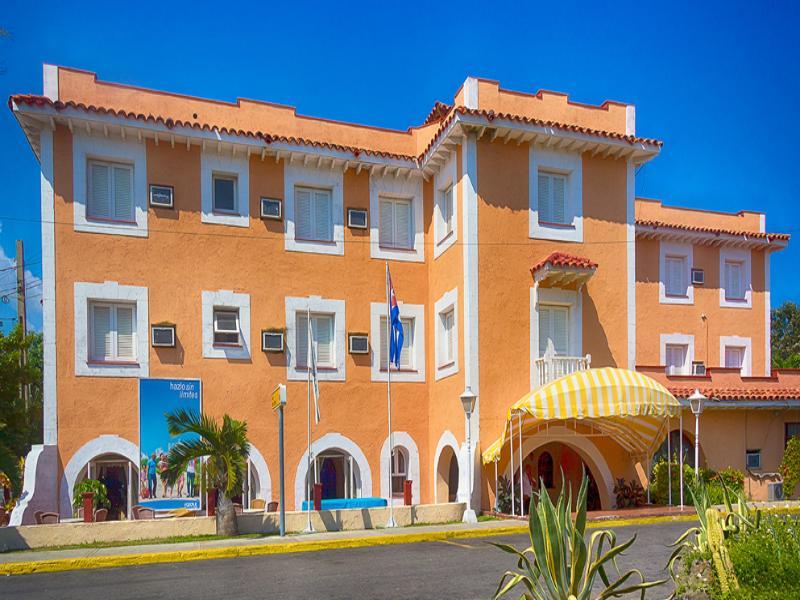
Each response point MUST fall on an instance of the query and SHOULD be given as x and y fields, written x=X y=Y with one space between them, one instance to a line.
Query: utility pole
x=21 y=315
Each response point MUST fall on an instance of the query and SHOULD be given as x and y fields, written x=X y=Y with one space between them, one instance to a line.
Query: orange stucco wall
x=653 y=210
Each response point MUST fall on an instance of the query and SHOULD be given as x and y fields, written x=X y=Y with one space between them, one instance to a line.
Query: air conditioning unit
x=357 y=218
x=271 y=208
x=698 y=367
x=358 y=343
x=162 y=336
x=272 y=341
x=161 y=196
x=775 y=491
x=698 y=277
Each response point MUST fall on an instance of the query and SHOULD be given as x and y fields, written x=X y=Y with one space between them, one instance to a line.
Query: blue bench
x=344 y=503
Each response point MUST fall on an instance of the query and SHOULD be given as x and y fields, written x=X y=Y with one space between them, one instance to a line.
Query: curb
x=125 y=560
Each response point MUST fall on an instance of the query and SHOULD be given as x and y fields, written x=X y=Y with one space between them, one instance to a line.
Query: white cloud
x=8 y=295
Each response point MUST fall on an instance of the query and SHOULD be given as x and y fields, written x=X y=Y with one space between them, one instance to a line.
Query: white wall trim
x=316 y=304
x=447 y=439
x=225 y=299
x=678 y=339
x=331 y=441
x=49 y=392
x=396 y=187
x=564 y=163
x=737 y=255
x=50 y=81
x=212 y=163
x=743 y=342
x=264 y=478
x=447 y=301
x=471 y=92
x=630 y=230
x=767 y=316
x=445 y=177
x=673 y=249
x=414 y=311
x=333 y=180
x=111 y=291
x=129 y=152
x=404 y=440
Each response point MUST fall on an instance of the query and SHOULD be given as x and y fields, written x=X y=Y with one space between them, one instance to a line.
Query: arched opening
x=675 y=440
x=447 y=476
x=399 y=471
x=121 y=478
x=339 y=474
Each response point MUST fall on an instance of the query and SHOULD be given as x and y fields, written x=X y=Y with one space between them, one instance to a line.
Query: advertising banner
x=157 y=398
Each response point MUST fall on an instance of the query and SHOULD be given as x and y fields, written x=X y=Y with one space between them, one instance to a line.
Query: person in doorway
x=151 y=476
x=190 y=479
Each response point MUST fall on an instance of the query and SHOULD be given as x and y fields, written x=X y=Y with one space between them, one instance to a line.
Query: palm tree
x=225 y=449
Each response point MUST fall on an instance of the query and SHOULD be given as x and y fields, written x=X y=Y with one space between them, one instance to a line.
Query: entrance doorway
x=447 y=476
x=120 y=478
x=338 y=473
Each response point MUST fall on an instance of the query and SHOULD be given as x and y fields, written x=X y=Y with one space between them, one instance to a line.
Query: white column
x=680 y=451
x=129 y=512
x=511 y=462
x=669 y=462
x=521 y=474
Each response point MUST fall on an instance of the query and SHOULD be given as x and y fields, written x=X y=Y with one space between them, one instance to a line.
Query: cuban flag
x=396 y=327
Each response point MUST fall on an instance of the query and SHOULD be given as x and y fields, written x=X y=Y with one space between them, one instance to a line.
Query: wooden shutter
x=386 y=231
x=301 y=339
x=302 y=214
x=99 y=197
x=125 y=333
x=123 y=197
x=322 y=215
x=559 y=199
x=545 y=201
x=102 y=346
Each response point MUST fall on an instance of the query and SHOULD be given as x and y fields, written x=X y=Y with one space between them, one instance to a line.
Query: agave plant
x=560 y=564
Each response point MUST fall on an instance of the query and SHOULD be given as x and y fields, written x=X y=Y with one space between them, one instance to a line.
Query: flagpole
x=309 y=527
x=391 y=522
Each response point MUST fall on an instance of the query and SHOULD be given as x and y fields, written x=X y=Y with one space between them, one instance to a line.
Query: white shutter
x=386 y=231
x=302 y=212
x=322 y=215
x=560 y=337
x=383 y=350
x=675 y=283
x=545 y=202
x=733 y=281
x=544 y=329
x=402 y=224
x=554 y=326
x=407 y=352
x=734 y=357
x=322 y=328
x=101 y=333
x=558 y=200
x=123 y=197
x=99 y=197
x=301 y=339
x=125 y=333
x=446 y=338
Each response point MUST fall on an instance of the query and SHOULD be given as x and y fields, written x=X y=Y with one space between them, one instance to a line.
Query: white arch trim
x=104 y=444
x=447 y=439
x=264 y=479
x=577 y=442
x=327 y=442
x=403 y=439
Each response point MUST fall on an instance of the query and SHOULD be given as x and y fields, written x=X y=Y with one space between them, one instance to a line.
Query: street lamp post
x=468 y=399
x=696 y=401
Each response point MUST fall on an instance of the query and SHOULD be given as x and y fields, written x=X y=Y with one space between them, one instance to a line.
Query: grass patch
x=482 y=518
x=177 y=539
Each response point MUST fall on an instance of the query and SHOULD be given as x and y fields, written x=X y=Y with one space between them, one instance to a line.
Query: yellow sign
x=278 y=396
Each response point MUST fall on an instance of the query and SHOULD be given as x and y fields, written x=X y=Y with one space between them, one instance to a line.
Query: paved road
x=468 y=568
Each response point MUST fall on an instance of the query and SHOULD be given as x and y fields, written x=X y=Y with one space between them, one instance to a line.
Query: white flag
x=312 y=367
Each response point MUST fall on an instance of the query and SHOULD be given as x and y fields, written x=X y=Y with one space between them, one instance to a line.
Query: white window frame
x=404 y=188
x=685 y=251
x=238 y=331
x=738 y=342
x=113 y=326
x=110 y=292
x=129 y=153
x=225 y=177
x=410 y=311
x=222 y=300
x=448 y=302
x=678 y=339
x=445 y=178
x=569 y=165
x=316 y=305
x=333 y=180
x=213 y=164
x=395 y=200
x=742 y=256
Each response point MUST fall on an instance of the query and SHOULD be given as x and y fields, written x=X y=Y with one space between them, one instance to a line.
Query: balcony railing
x=551 y=366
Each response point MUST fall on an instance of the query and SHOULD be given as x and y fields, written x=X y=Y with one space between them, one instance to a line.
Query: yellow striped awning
x=626 y=405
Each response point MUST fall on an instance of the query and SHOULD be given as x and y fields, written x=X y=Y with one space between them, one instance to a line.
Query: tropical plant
x=98 y=488
x=559 y=564
x=628 y=493
x=504 y=495
x=225 y=448
x=790 y=466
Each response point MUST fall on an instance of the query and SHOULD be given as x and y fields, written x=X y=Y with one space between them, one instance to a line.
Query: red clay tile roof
x=740 y=394
x=562 y=259
x=712 y=230
x=170 y=123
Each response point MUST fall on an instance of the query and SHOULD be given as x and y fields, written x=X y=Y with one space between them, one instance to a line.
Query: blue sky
x=717 y=81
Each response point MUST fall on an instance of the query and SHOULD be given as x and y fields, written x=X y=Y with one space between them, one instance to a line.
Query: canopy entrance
x=627 y=406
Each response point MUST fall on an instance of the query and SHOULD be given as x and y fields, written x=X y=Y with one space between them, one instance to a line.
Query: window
x=399 y=471
x=552 y=198
x=446 y=210
x=224 y=193
x=407 y=352
x=447 y=322
x=554 y=327
x=792 y=430
x=676 y=358
x=734 y=280
x=313 y=214
x=226 y=327
x=322 y=334
x=753 y=459
x=675 y=276
x=112 y=332
x=396 y=227
x=734 y=357
x=110 y=196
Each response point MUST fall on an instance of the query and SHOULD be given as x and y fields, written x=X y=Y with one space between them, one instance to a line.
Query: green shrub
x=628 y=493
x=659 y=491
x=790 y=466
x=91 y=485
x=504 y=495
